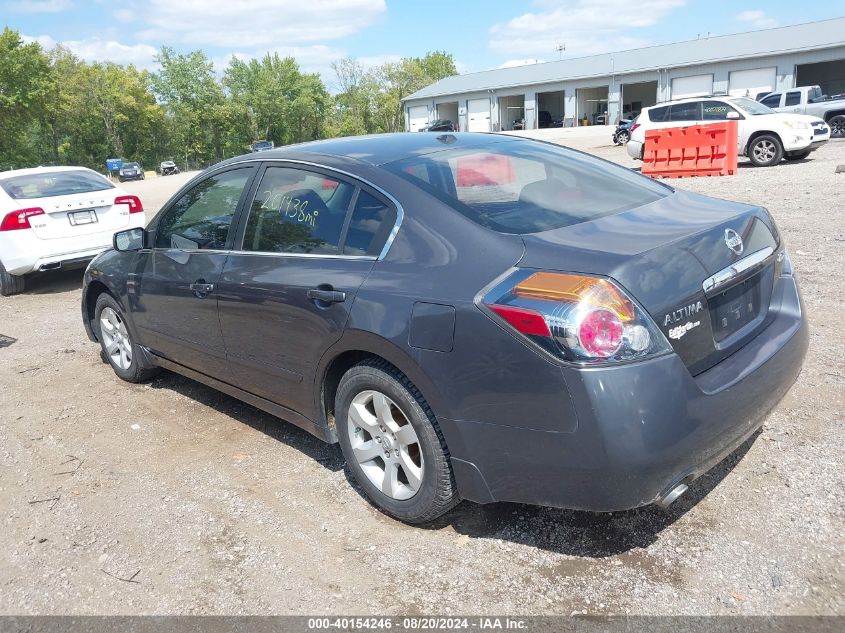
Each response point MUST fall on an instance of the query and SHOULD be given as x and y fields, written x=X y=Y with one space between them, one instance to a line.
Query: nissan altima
x=469 y=316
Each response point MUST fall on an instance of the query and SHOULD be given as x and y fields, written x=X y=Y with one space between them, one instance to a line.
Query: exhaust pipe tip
x=666 y=500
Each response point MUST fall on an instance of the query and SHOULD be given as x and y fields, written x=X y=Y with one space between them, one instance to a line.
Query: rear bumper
x=22 y=252
x=634 y=149
x=642 y=428
x=23 y=263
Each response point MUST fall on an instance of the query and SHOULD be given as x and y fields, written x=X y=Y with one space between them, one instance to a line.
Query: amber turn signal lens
x=589 y=291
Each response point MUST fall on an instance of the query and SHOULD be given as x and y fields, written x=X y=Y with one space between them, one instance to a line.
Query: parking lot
x=170 y=497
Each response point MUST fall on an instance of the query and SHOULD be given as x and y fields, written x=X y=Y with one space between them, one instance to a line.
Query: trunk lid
x=663 y=253
x=77 y=215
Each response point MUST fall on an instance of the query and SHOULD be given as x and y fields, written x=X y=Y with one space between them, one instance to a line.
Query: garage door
x=478 y=115
x=417 y=117
x=693 y=86
x=750 y=83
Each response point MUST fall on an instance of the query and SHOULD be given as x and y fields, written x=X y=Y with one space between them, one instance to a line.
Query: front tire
x=10 y=284
x=765 y=150
x=393 y=445
x=837 y=126
x=118 y=346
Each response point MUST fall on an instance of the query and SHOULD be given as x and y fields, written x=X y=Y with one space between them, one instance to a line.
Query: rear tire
x=623 y=137
x=837 y=126
x=10 y=284
x=399 y=458
x=119 y=348
x=797 y=155
x=765 y=150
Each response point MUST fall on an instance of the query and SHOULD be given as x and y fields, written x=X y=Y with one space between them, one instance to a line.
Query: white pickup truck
x=811 y=100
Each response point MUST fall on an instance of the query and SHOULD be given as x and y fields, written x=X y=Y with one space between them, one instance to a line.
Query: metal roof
x=786 y=39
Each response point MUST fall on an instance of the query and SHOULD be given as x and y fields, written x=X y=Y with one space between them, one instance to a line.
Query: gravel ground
x=171 y=498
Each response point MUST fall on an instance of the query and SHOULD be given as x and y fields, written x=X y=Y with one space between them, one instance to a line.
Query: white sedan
x=58 y=217
x=764 y=136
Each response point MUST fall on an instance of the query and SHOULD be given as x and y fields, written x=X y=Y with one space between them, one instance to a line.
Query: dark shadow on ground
x=570 y=532
x=54 y=282
x=326 y=454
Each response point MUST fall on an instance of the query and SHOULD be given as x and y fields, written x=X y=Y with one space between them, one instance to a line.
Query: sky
x=480 y=35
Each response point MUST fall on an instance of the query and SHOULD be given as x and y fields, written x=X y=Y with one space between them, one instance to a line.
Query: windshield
x=131 y=166
x=751 y=107
x=527 y=187
x=53 y=183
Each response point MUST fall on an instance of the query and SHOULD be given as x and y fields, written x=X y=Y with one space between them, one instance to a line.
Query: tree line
x=57 y=109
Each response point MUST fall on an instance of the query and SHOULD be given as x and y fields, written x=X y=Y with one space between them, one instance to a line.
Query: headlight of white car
x=797 y=125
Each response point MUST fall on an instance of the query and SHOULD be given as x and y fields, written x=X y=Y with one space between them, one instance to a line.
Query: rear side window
x=201 y=218
x=370 y=225
x=658 y=115
x=526 y=187
x=793 y=98
x=772 y=101
x=297 y=211
x=685 y=111
x=716 y=110
x=54 y=183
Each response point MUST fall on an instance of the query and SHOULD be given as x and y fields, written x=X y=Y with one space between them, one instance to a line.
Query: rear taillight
x=134 y=203
x=635 y=126
x=579 y=318
x=19 y=219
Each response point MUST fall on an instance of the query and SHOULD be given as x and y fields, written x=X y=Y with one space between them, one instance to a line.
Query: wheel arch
x=353 y=348
x=833 y=113
x=755 y=135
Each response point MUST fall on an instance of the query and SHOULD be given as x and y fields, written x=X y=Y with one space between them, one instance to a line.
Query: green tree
x=24 y=86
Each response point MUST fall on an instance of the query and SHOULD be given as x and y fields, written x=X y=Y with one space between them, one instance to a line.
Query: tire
x=797 y=155
x=765 y=150
x=623 y=137
x=422 y=487
x=837 y=126
x=119 y=348
x=10 y=284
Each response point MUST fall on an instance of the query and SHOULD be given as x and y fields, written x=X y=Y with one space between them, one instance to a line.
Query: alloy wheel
x=116 y=339
x=765 y=151
x=385 y=445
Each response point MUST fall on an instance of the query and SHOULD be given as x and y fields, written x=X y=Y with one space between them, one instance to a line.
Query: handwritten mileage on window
x=289 y=208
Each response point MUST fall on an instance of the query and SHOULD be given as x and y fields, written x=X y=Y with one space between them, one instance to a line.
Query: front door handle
x=201 y=289
x=326 y=296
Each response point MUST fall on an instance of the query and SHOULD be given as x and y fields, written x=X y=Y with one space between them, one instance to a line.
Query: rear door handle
x=201 y=289
x=326 y=296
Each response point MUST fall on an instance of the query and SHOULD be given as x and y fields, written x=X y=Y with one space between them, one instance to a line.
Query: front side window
x=793 y=98
x=201 y=219
x=716 y=110
x=772 y=101
x=685 y=111
x=522 y=187
x=297 y=211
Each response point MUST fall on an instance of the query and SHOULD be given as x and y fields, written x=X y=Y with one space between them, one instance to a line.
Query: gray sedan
x=473 y=317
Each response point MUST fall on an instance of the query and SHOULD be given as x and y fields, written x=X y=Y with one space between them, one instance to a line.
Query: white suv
x=54 y=217
x=764 y=136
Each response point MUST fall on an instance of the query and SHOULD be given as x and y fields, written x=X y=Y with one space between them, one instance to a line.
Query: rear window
x=53 y=183
x=526 y=187
x=658 y=115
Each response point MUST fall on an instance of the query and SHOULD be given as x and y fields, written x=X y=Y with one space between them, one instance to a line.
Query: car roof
x=698 y=98
x=379 y=149
x=39 y=170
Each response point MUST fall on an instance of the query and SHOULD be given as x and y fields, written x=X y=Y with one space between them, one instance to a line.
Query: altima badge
x=733 y=241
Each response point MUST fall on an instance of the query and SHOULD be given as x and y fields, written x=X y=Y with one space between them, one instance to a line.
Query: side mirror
x=733 y=115
x=129 y=240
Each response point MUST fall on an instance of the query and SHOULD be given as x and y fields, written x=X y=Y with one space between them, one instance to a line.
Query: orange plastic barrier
x=698 y=150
